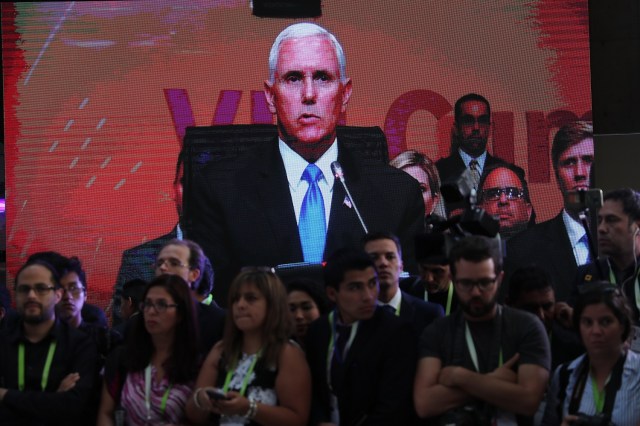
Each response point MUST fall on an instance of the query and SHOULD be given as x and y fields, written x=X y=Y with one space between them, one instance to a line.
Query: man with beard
x=469 y=138
x=47 y=368
x=559 y=245
x=386 y=253
x=486 y=361
x=503 y=192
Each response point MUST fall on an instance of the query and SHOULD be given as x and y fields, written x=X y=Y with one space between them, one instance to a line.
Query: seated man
x=386 y=253
x=48 y=369
x=434 y=283
x=365 y=376
x=486 y=361
x=530 y=289
x=130 y=299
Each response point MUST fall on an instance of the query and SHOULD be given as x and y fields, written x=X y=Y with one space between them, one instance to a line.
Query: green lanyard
x=245 y=381
x=332 y=344
x=147 y=394
x=472 y=348
x=449 y=298
x=598 y=396
x=45 y=371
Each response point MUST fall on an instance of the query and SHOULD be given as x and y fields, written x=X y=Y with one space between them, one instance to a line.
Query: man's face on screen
x=473 y=127
x=573 y=169
x=307 y=95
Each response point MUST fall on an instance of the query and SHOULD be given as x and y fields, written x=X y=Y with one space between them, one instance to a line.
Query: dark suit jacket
x=377 y=380
x=137 y=262
x=418 y=313
x=546 y=245
x=246 y=217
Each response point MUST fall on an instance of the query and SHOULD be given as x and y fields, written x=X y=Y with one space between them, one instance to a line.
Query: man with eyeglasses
x=47 y=368
x=186 y=259
x=504 y=194
x=487 y=363
x=469 y=137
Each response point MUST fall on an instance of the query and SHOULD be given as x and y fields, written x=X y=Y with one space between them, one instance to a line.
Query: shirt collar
x=575 y=230
x=395 y=300
x=295 y=164
x=466 y=158
x=17 y=334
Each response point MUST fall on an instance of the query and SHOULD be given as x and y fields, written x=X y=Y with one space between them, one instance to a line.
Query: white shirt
x=295 y=165
x=395 y=300
x=575 y=231
x=466 y=158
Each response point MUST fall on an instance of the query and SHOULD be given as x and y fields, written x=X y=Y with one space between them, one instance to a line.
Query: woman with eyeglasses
x=255 y=376
x=148 y=381
x=602 y=386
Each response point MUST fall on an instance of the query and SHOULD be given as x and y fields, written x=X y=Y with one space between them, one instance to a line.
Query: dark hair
x=381 y=235
x=526 y=279
x=53 y=258
x=313 y=289
x=476 y=249
x=204 y=283
x=343 y=260
x=277 y=327
x=74 y=265
x=134 y=289
x=55 y=276
x=595 y=292
x=197 y=259
x=182 y=364
x=629 y=199
x=457 y=110
x=568 y=136
x=513 y=168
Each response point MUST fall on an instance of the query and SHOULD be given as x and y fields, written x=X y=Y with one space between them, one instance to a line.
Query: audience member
x=130 y=300
x=504 y=194
x=362 y=359
x=422 y=169
x=281 y=205
x=530 y=289
x=559 y=245
x=307 y=301
x=262 y=377
x=434 y=283
x=618 y=246
x=150 y=379
x=602 y=386
x=48 y=369
x=386 y=253
x=484 y=362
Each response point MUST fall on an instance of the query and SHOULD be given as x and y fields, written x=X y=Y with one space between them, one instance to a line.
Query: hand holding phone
x=216 y=394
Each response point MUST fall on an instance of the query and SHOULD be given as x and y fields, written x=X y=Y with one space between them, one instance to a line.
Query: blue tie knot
x=312 y=173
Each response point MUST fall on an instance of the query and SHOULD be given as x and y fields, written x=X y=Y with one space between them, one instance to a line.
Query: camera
x=468 y=415
x=601 y=419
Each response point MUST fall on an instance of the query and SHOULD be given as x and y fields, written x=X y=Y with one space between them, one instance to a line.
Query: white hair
x=301 y=30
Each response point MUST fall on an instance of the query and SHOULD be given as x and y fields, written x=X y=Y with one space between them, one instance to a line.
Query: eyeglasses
x=171 y=262
x=494 y=194
x=483 y=283
x=74 y=290
x=40 y=289
x=160 y=306
x=470 y=120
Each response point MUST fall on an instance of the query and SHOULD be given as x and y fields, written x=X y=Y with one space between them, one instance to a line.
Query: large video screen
x=97 y=96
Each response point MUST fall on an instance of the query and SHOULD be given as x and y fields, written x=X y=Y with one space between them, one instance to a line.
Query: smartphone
x=581 y=200
x=216 y=394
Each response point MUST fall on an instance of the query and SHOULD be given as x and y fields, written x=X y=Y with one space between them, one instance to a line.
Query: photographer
x=601 y=386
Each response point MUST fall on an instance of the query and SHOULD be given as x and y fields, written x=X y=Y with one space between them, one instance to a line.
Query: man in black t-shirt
x=494 y=360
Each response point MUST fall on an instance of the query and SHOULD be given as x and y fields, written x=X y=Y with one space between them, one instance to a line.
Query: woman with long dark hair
x=603 y=385
x=150 y=379
x=255 y=375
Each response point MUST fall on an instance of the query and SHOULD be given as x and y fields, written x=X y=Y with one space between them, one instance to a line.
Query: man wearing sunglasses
x=47 y=367
x=504 y=194
x=469 y=137
x=485 y=363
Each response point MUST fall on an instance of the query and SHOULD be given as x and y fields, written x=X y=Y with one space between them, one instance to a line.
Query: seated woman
x=307 y=302
x=422 y=169
x=151 y=378
x=604 y=382
x=264 y=378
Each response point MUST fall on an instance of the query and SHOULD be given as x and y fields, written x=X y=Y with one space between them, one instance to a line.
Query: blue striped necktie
x=312 y=225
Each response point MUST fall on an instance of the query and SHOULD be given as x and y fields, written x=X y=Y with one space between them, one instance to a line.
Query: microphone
x=336 y=168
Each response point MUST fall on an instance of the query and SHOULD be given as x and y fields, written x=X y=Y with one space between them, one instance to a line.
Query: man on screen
x=283 y=204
